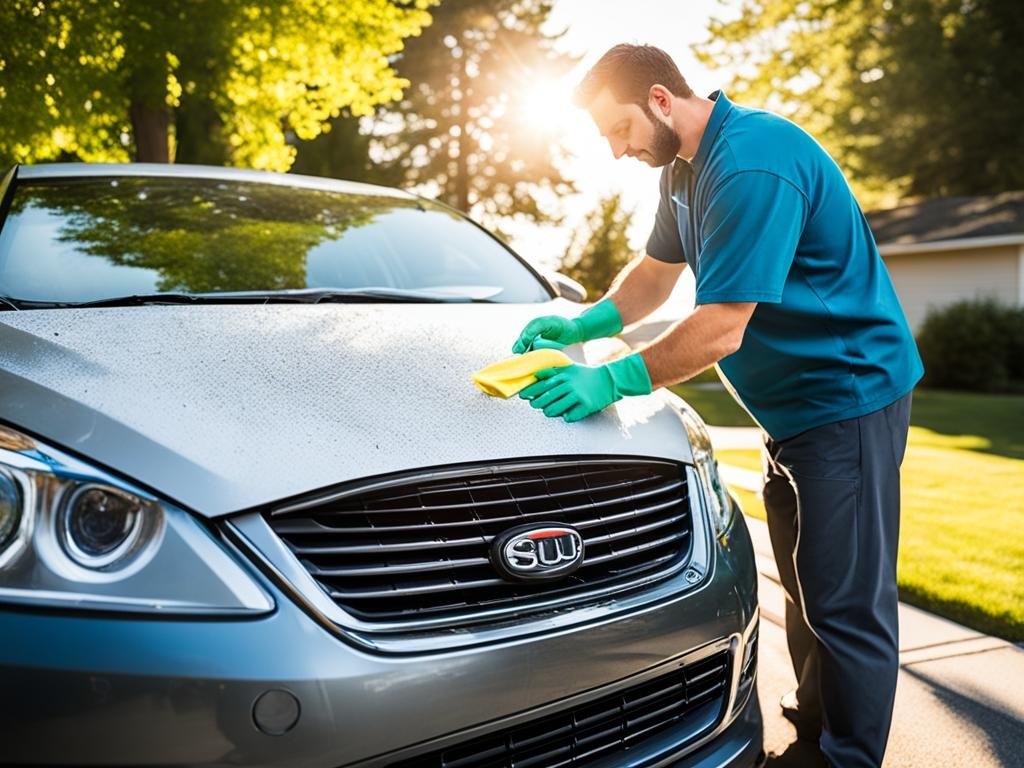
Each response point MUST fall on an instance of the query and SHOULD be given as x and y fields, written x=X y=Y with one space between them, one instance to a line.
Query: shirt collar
x=717 y=117
x=715 y=120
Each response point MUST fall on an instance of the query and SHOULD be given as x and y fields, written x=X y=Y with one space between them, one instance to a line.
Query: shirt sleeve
x=664 y=243
x=749 y=237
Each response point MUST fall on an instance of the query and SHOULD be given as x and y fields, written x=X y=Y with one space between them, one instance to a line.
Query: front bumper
x=741 y=745
x=87 y=689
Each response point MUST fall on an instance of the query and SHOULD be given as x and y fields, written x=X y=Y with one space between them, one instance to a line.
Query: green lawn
x=715 y=406
x=961 y=548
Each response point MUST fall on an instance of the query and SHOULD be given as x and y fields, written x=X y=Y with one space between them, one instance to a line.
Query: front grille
x=416 y=547
x=688 y=700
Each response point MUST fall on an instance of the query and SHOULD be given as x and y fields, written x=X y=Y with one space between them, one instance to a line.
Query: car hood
x=223 y=408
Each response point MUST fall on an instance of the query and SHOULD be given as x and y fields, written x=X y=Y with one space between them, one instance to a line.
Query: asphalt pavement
x=960 y=693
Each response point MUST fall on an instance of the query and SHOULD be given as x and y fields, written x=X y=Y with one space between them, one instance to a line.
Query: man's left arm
x=695 y=343
x=749 y=237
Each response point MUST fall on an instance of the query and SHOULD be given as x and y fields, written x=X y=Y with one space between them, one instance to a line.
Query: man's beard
x=665 y=144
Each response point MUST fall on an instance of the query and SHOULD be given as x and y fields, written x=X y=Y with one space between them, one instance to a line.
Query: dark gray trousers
x=832 y=495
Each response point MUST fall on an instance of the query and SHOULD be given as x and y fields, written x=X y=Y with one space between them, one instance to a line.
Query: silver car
x=254 y=512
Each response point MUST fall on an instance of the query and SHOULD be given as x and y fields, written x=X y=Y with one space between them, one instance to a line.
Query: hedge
x=973 y=345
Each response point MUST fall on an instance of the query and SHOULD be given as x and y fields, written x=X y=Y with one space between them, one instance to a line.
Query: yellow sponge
x=506 y=377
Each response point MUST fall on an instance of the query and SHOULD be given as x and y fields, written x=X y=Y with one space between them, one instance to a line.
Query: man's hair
x=630 y=71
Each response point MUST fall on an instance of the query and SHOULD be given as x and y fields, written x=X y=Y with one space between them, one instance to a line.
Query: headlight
x=71 y=535
x=100 y=525
x=715 y=493
x=10 y=510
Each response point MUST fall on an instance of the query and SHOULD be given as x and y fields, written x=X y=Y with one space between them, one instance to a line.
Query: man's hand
x=600 y=320
x=577 y=391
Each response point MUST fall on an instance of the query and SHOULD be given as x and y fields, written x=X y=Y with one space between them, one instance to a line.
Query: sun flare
x=546 y=100
x=546 y=109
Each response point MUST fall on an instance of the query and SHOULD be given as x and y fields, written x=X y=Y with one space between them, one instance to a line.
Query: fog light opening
x=276 y=712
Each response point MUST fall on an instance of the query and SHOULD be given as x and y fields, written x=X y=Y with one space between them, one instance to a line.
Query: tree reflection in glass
x=209 y=235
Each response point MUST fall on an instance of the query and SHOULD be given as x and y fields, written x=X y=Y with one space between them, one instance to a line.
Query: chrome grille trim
x=311 y=526
x=598 y=601
x=622 y=510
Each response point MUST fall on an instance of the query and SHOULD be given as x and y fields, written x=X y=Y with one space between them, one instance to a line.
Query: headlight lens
x=10 y=510
x=99 y=525
x=719 y=504
x=71 y=535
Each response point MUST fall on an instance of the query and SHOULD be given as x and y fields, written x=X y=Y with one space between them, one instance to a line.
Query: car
x=253 y=510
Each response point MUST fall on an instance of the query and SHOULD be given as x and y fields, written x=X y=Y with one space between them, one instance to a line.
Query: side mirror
x=566 y=287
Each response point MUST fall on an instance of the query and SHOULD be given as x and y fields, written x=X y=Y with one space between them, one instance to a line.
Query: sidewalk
x=958 y=699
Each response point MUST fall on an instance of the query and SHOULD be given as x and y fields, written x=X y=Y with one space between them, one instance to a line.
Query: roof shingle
x=950 y=218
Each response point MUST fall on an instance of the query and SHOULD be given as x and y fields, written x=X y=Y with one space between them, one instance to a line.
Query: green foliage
x=974 y=345
x=916 y=97
x=600 y=249
x=104 y=80
x=466 y=132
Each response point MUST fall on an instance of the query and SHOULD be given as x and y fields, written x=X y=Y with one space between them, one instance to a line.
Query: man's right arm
x=643 y=286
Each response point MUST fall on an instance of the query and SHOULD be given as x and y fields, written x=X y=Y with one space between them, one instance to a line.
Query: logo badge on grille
x=537 y=552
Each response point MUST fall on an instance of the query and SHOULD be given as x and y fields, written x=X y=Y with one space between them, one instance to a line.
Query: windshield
x=81 y=240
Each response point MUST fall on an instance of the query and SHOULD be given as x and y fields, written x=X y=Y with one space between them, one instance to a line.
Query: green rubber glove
x=602 y=319
x=576 y=391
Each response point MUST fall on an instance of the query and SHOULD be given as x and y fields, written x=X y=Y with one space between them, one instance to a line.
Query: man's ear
x=659 y=99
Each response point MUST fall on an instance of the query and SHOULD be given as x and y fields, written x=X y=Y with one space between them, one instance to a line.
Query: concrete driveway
x=959 y=699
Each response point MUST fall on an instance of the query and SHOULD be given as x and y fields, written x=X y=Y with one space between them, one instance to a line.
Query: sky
x=592 y=27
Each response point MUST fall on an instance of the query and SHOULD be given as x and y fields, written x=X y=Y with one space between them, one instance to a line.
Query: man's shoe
x=807 y=729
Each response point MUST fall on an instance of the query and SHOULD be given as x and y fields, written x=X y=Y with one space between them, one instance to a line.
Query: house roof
x=947 y=219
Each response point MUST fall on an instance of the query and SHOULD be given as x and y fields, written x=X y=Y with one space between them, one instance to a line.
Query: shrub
x=973 y=345
x=1014 y=335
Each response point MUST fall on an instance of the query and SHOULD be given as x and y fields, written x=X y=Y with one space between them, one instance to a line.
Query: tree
x=916 y=97
x=600 y=249
x=107 y=80
x=344 y=152
x=465 y=128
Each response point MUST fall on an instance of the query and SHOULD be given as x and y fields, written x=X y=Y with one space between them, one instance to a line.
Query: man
x=796 y=307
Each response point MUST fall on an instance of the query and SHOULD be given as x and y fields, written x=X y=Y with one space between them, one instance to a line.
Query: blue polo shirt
x=764 y=215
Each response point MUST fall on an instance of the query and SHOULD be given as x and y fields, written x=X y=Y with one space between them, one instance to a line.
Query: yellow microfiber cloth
x=506 y=377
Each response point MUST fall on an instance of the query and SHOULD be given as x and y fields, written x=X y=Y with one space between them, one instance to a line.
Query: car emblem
x=537 y=552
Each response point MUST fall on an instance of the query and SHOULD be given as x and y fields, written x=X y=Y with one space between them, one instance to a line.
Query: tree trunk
x=150 y=128
x=199 y=134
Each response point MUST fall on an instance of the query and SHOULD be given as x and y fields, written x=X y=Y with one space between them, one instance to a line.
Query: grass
x=961 y=550
x=715 y=406
x=741 y=458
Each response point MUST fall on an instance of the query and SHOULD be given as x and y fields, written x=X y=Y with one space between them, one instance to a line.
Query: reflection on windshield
x=83 y=240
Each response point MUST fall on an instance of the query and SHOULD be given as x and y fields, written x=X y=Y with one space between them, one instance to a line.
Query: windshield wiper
x=117 y=301
x=411 y=295
x=286 y=296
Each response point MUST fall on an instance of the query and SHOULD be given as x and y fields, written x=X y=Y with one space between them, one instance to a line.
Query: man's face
x=634 y=131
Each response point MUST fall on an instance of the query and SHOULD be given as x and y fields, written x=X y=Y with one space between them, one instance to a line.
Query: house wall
x=935 y=279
